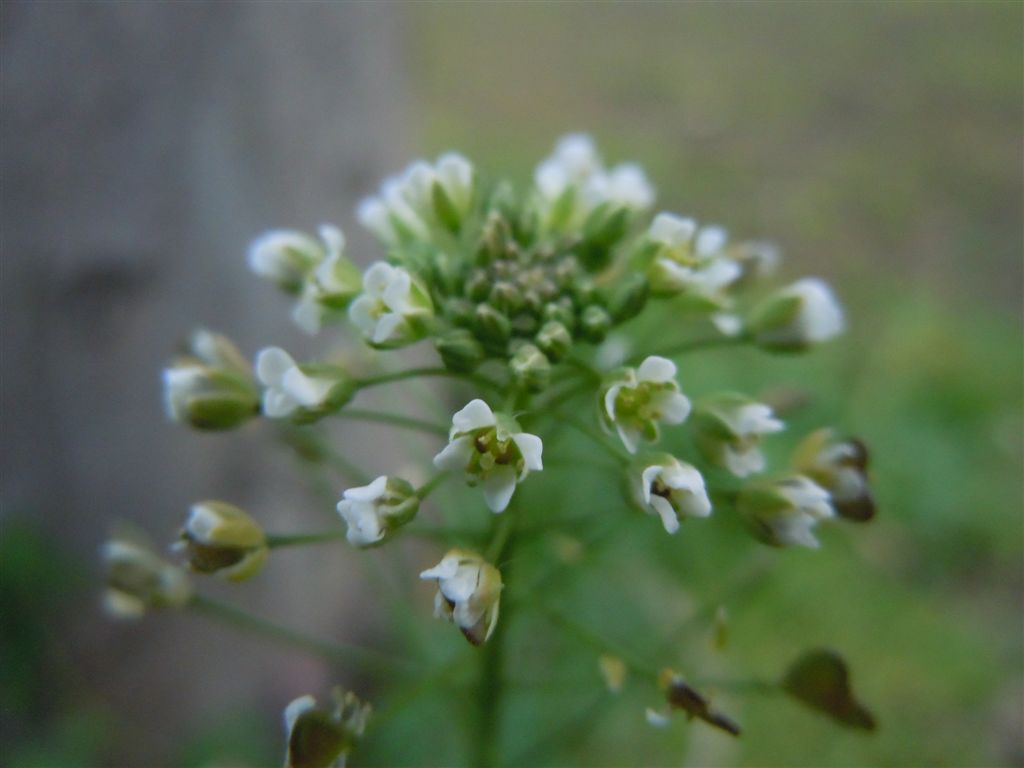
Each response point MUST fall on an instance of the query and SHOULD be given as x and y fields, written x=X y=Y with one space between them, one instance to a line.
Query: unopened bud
x=322 y=738
x=530 y=368
x=628 y=298
x=797 y=316
x=211 y=387
x=459 y=350
x=595 y=323
x=492 y=325
x=221 y=538
x=138 y=578
x=375 y=511
x=554 y=340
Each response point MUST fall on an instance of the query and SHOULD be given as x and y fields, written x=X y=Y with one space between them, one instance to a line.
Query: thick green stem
x=363 y=658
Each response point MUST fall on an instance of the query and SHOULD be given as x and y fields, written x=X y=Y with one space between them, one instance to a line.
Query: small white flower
x=221 y=538
x=492 y=451
x=389 y=215
x=330 y=286
x=728 y=430
x=393 y=308
x=573 y=162
x=797 y=316
x=285 y=257
x=468 y=593
x=840 y=467
x=673 y=490
x=287 y=388
x=784 y=512
x=690 y=260
x=138 y=578
x=323 y=737
x=373 y=511
x=625 y=185
x=636 y=399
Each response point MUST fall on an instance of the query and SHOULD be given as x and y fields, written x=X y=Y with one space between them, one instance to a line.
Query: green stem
x=298 y=539
x=428 y=487
x=415 y=373
x=394 y=419
x=599 y=644
x=365 y=658
x=619 y=455
x=692 y=345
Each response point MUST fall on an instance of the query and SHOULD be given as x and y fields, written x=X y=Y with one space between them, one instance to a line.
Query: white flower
x=573 y=162
x=468 y=593
x=625 y=185
x=330 y=287
x=389 y=215
x=138 y=578
x=728 y=430
x=690 y=260
x=393 y=308
x=221 y=538
x=797 y=316
x=492 y=450
x=636 y=399
x=840 y=467
x=289 y=389
x=285 y=257
x=323 y=737
x=373 y=511
x=785 y=511
x=673 y=490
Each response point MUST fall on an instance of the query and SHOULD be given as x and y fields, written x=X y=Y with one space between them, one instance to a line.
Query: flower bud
x=840 y=467
x=783 y=512
x=301 y=392
x=468 y=593
x=634 y=400
x=671 y=489
x=628 y=297
x=492 y=326
x=796 y=317
x=554 y=339
x=728 y=429
x=394 y=309
x=506 y=296
x=459 y=350
x=211 y=386
x=322 y=738
x=492 y=451
x=460 y=312
x=221 y=538
x=375 y=511
x=286 y=257
x=531 y=370
x=330 y=287
x=595 y=323
x=478 y=285
x=138 y=578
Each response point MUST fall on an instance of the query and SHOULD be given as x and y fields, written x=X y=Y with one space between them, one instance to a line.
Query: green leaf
x=820 y=679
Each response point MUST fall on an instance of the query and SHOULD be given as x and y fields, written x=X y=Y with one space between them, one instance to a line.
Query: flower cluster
x=516 y=290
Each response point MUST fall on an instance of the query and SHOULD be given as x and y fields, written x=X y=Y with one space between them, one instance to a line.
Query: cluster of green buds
x=518 y=291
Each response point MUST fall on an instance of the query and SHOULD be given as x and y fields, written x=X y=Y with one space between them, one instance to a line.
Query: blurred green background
x=880 y=146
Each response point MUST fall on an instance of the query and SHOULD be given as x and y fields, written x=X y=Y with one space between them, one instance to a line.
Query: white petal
x=727 y=323
x=294 y=710
x=671 y=230
x=475 y=415
x=307 y=313
x=743 y=462
x=531 y=447
x=371 y=492
x=498 y=488
x=308 y=391
x=668 y=516
x=674 y=407
x=363 y=314
x=710 y=240
x=657 y=719
x=460 y=586
x=389 y=327
x=447 y=568
x=658 y=370
x=609 y=400
x=647 y=478
x=333 y=238
x=277 y=404
x=630 y=436
x=455 y=455
x=272 y=364
x=377 y=277
x=396 y=294
x=374 y=215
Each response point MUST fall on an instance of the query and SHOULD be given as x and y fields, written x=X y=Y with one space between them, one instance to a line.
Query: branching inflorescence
x=526 y=297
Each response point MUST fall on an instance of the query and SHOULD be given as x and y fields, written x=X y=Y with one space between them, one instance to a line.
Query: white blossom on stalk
x=673 y=490
x=331 y=286
x=291 y=390
x=492 y=450
x=634 y=400
x=394 y=308
x=797 y=316
x=785 y=511
x=223 y=539
x=728 y=429
x=285 y=257
x=690 y=260
x=374 y=511
x=468 y=593
x=321 y=737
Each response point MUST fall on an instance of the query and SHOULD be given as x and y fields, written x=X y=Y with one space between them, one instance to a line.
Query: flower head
x=138 y=578
x=468 y=593
x=372 y=512
x=840 y=467
x=304 y=392
x=671 y=489
x=285 y=257
x=635 y=400
x=783 y=512
x=393 y=309
x=492 y=451
x=728 y=430
x=322 y=738
x=221 y=538
x=797 y=316
x=211 y=385
x=689 y=260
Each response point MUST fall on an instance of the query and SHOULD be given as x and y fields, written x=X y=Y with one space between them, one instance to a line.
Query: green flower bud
x=506 y=296
x=530 y=368
x=567 y=272
x=459 y=350
x=221 y=538
x=138 y=578
x=560 y=311
x=322 y=738
x=492 y=326
x=628 y=297
x=525 y=324
x=555 y=340
x=478 y=285
x=459 y=312
x=211 y=387
x=595 y=323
